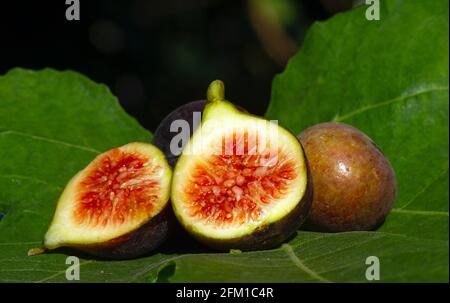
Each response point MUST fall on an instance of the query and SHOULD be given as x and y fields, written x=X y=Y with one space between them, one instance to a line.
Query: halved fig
x=241 y=182
x=116 y=207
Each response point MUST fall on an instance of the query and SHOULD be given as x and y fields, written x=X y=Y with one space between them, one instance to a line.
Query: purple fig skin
x=354 y=183
x=163 y=136
x=137 y=243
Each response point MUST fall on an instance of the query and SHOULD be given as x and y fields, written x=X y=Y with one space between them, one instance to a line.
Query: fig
x=241 y=182
x=177 y=127
x=116 y=207
x=354 y=183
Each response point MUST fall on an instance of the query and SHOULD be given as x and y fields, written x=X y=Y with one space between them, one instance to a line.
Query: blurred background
x=157 y=55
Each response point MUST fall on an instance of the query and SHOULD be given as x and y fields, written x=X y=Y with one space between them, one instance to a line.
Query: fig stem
x=216 y=91
x=36 y=251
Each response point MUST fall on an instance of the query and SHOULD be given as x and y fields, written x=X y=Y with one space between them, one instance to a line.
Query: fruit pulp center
x=227 y=189
x=119 y=186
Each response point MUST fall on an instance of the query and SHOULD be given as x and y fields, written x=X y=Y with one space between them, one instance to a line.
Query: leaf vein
x=296 y=260
x=49 y=140
x=420 y=212
x=31 y=179
x=385 y=103
x=61 y=272
x=344 y=248
x=445 y=171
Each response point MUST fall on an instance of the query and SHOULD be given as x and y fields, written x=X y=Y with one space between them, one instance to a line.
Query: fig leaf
x=388 y=77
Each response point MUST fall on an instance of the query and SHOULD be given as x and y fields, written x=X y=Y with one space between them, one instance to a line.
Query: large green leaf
x=388 y=78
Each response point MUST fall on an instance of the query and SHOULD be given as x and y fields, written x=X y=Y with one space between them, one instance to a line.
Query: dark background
x=157 y=55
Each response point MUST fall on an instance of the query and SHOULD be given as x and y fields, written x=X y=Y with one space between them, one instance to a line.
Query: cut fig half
x=241 y=182
x=116 y=206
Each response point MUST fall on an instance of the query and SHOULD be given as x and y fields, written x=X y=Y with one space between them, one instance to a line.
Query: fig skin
x=354 y=183
x=163 y=136
x=136 y=243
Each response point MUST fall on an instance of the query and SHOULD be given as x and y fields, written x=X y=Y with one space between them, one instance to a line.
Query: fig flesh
x=354 y=183
x=116 y=207
x=241 y=182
